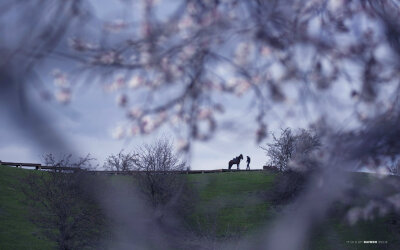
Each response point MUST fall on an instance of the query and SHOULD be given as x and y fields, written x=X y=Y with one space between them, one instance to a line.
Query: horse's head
x=241 y=156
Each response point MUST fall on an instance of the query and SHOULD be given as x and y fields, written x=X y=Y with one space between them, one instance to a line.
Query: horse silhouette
x=236 y=161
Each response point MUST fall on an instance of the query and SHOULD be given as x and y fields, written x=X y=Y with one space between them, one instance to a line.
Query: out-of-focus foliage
x=170 y=63
x=176 y=63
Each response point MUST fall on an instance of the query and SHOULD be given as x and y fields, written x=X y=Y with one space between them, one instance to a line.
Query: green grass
x=225 y=204
x=16 y=230
x=231 y=203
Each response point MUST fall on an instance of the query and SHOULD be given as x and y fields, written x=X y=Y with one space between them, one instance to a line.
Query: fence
x=38 y=166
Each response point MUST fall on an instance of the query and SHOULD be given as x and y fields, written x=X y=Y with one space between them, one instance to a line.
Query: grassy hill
x=227 y=204
x=16 y=230
x=231 y=203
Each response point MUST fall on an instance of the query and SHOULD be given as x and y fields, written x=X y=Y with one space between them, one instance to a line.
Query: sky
x=87 y=123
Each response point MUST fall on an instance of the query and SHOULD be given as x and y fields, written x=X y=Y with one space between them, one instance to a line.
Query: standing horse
x=236 y=161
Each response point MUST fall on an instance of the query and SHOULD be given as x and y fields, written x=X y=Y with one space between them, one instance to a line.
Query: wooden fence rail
x=38 y=166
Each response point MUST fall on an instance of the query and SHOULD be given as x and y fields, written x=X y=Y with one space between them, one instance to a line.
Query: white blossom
x=147 y=124
x=135 y=113
x=116 y=25
x=135 y=82
x=60 y=78
x=63 y=96
x=118 y=132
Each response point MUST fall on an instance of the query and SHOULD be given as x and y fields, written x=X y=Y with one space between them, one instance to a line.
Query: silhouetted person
x=248 y=163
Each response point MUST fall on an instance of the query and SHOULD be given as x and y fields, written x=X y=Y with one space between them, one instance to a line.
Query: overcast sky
x=87 y=123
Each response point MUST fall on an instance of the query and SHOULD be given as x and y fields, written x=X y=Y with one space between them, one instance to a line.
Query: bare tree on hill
x=121 y=161
x=83 y=163
x=295 y=148
x=64 y=207
x=158 y=182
